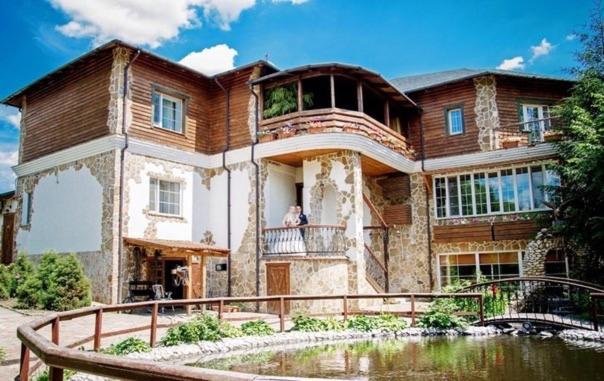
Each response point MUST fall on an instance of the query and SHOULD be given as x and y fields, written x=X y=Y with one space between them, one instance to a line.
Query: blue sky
x=394 y=38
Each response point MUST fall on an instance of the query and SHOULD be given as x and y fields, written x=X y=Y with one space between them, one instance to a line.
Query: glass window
x=441 y=197
x=537 y=183
x=455 y=268
x=507 y=190
x=26 y=208
x=465 y=187
x=480 y=193
x=164 y=197
x=167 y=112
x=494 y=196
x=523 y=189
x=453 y=196
x=535 y=120
x=455 y=121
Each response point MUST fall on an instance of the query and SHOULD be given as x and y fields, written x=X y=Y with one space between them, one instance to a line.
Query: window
x=167 y=112
x=473 y=266
x=508 y=190
x=26 y=208
x=535 y=120
x=164 y=197
x=455 y=120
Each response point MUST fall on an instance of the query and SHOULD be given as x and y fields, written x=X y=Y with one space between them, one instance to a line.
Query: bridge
x=553 y=301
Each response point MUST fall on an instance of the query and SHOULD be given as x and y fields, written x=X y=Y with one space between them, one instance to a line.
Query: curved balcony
x=304 y=240
x=333 y=120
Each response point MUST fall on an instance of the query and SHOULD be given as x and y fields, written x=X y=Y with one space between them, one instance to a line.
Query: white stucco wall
x=279 y=193
x=66 y=214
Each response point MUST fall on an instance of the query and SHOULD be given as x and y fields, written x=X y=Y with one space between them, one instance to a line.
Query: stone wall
x=536 y=251
x=486 y=112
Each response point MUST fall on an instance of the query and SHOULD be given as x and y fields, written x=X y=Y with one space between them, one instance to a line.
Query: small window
x=455 y=121
x=26 y=208
x=164 y=197
x=167 y=112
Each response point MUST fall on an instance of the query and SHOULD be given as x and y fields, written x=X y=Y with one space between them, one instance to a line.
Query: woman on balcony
x=291 y=240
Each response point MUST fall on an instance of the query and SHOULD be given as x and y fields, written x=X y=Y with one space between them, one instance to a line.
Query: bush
x=129 y=345
x=67 y=374
x=257 y=328
x=59 y=284
x=229 y=330
x=391 y=323
x=202 y=328
x=22 y=269
x=6 y=280
x=308 y=324
x=362 y=323
x=2 y=355
x=441 y=315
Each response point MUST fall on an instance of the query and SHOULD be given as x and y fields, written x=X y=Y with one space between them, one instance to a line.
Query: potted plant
x=511 y=142
x=287 y=131
x=552 y=136
x=265 y=136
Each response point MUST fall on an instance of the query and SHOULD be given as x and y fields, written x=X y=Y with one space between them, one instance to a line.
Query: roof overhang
x=166 y=246
x=368 y=76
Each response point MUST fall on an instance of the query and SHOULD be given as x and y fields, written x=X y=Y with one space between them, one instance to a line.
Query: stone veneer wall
x=100 y=266
x=486 y=112
x=536 y=251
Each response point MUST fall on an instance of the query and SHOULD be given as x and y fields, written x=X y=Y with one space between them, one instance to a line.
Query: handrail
x=304 y=226
x=372 y=254
x=62 y=357
x=558 y=280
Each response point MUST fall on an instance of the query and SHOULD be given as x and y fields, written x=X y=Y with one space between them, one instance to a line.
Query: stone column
x=533 y=263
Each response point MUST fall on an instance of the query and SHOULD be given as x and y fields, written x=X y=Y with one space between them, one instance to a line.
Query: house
x=143 y=168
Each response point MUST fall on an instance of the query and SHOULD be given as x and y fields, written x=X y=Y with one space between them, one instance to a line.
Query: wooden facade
x=497 y=231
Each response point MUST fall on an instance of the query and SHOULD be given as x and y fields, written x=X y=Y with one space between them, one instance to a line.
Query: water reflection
x=501 y=358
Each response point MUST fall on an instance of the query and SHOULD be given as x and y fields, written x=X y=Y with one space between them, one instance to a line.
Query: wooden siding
x=433 y=101
x=69 y=110
x=511 y=92
x=498 y=231
x=397 y=214
x=146 y=74
x=396 y=187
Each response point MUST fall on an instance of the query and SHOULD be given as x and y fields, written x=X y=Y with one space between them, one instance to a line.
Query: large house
x=143 y=167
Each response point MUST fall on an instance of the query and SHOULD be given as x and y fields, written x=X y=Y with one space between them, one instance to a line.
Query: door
x=277 y=283
x=8 y=230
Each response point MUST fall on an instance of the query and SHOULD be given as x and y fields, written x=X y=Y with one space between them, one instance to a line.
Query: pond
x=466 y=358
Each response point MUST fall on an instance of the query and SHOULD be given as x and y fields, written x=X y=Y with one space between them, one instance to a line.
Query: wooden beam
x=300 y=102
x=332 y=86
x=387 y=113
x=360 y=96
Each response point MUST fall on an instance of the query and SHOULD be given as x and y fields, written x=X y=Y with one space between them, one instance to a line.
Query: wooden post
x=332 y=86
x=360 y=96
x=153 y=334
x=203 y=275
x=481 y=301
x=594 y=312
x=300 y=98
x=413 y=310
x=189 y=287
x=98 y=328
x=387 y=113
x=55 y=374
x=24 y=363
x=282 y=314
x=345 y=307
x=220 y=309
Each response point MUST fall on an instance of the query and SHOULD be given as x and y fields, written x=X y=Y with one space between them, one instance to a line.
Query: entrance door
x=8 y=230
x=169 y=286
x=277 y=283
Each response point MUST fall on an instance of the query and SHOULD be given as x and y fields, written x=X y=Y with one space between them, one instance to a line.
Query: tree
x=580 y=197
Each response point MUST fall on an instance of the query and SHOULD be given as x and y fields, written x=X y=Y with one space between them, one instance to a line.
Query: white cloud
x=515 y=63
x=543 y=49
x=570 y=37
x=142 y=23
x=8 y=158
x=10 y=115
x=211 y=60
x=294 y=2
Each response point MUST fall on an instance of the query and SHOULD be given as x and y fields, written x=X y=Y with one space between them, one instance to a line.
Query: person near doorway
x=302 y=219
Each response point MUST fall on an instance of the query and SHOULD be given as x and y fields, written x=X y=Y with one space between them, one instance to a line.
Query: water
x=495 y=358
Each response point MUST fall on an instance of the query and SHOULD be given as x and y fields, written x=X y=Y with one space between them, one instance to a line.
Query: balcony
x=306 y=240
x=526 y=134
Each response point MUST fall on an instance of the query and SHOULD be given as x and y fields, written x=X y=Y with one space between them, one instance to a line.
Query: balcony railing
x=305 y=240
x=527 y=133
x=333 y=120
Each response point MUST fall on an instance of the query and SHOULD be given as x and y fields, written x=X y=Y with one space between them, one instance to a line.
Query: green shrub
x=257 y=328
x=2 y=355
x=308 y=324
x=202 y=328
x=362 y=323
x=22 y=269
x=332 y=324
x=229 y=330
x=391 y=323
x=129 y=345
x=6 y=280
x=30 y=293
x=67 y=374
x=441 y=314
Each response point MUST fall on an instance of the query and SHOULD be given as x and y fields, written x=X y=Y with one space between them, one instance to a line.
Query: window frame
x=477 y=254
x=156 y=210
x=448 y=110
x=547 y=180
x=171 y=95
x=26 y=211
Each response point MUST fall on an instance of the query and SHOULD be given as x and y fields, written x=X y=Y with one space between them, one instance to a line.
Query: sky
x=394 y=38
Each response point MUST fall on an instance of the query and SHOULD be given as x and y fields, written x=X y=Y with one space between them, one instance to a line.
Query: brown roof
x=194 y=248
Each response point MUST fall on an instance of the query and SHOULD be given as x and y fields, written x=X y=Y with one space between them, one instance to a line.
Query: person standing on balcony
x=291 y=240
x=302 y=219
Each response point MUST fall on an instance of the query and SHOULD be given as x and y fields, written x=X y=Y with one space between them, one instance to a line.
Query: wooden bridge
x=553 y=301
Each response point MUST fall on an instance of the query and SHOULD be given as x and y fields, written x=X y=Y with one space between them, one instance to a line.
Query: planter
x=286 y=134
x=266 y=138
x=552 y=137
x=510 y=143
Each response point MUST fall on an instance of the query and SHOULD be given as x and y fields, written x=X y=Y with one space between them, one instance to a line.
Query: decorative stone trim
x=487 y=115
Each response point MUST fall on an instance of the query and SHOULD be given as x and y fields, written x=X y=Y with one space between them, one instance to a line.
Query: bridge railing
x=59 y=355
x=551 y=300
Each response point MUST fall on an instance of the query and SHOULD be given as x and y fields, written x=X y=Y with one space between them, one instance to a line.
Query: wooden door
x=277 y=283
x=8 y=230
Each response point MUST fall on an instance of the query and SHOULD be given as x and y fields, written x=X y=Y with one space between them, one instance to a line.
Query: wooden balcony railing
x=309 y=240
x=333 y=120
x=525 y=134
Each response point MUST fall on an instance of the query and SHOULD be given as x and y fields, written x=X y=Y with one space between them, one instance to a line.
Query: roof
x=10 y=99
x=424 y=81
x=7 y=195
x=367 y=75
x=194 y=248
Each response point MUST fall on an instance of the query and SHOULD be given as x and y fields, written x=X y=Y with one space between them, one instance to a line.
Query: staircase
x=376 y=250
